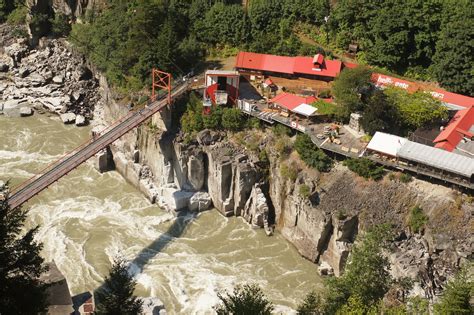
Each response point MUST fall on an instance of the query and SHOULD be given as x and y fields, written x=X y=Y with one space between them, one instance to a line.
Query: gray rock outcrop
x=68 y=118
x=50 y=75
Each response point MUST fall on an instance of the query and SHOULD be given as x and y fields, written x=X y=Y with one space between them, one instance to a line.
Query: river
x=88 y=218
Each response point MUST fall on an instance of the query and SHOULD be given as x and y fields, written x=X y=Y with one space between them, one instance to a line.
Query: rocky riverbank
x=47 y=78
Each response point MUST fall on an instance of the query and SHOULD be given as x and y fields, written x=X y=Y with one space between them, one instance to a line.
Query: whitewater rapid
x=88 y=218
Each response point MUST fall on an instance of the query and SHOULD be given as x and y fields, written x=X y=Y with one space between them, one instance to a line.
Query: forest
x=421 y=39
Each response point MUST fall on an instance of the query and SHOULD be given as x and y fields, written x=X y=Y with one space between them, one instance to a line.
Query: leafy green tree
x=224 y=24
x=311 y=305
x=452 y=62
x=380 y=114
x=311 y=154
x=458 y=294
x=365 y=168
x=116 y=294
x=246 y=299
x=416 y=109
x=21 y=290
x=232 y=119
x=351 y=87
x=366 y=278
x=356 y=306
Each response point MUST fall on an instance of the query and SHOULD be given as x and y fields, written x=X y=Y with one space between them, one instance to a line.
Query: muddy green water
x=88 y=218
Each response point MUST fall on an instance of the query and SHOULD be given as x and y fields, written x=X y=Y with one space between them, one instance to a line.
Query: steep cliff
x=323 y=223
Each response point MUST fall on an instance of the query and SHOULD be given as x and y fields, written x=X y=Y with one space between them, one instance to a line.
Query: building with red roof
x=295 y=103
x=460 y=127
x=222 y=87
x=451 y=100
x=316 y=67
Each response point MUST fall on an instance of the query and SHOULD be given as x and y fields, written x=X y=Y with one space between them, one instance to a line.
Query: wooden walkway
x=356 y=153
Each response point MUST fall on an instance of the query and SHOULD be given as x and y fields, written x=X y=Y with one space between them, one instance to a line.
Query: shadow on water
x=136 y=265
x=174 y=231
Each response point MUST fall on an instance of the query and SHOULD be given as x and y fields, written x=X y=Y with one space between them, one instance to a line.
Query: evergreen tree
x=116 y=295
x=452 y=63
x=458 y=295
x=366 y=278
x=21 y=290
x=311 y=305
x=246 y=299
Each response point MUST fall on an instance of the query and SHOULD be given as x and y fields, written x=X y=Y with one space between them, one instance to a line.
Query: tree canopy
x=116 y=294
x=246 y=299
x=21 y=290
x=458 y=294
x=408 y=37
x=366 y=277
x=311 y=154
x=350 y=89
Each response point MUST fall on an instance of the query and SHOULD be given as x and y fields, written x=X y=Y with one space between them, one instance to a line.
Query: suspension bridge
x=60 y=168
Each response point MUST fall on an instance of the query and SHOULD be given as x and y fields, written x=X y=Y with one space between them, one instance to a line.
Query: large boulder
x=200 y=201
x=68 y=118
x=26 y=111
x=59 y=79
x=81 y=121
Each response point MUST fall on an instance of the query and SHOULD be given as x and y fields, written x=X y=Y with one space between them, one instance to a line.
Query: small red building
x=460 y=128
x=222 y=87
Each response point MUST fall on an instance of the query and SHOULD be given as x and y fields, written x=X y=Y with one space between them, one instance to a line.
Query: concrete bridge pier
x=104 y=160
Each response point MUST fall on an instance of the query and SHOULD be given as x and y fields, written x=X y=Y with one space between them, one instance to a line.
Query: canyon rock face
x=211 y=169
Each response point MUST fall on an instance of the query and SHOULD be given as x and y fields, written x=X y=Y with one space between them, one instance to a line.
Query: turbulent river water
x=87 y=219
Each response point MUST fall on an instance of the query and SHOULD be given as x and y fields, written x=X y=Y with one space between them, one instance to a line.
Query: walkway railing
x=79 y=155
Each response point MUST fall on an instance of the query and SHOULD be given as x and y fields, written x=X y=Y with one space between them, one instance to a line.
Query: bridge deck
x=81 y=154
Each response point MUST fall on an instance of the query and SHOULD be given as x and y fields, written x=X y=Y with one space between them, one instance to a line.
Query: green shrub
x=392 y=176
x=311 y=154
x=232 y=119
x=365 y=168
x=417 y=219
x=405 y=178
x=289 y=171
x=263 y=157
x=304 y=191
x=60 y=25
x=213 y=120
x=18 y=16
x=281 y=130
x=283 y=147
x=254 y=123
x=326 y=93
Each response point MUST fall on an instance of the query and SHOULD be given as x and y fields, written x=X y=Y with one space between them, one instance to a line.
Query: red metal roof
x=290 y=101
x=457 y=128
x=319 y=59
x=287 y=65
x=442 y=95
x=329 y=68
